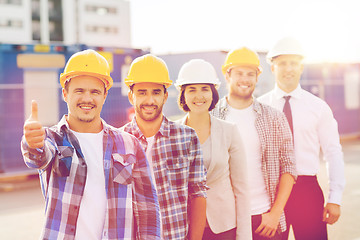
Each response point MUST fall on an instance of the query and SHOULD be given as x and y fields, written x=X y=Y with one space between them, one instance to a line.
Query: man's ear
x=131 y=97
x=105 y=95
x=166 y=96
x=272 y=67
x=64 y=93
x=227 y=77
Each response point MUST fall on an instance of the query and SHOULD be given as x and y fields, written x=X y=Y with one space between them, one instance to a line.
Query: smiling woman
x=223 y=154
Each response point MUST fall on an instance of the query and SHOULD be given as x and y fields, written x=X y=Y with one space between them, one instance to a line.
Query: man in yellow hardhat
x=314 y=131
x=172 y=149
x=268 y=143
x=95 y=179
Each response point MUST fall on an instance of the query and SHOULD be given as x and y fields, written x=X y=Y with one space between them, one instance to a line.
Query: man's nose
x=150 y=99
x=86 y=96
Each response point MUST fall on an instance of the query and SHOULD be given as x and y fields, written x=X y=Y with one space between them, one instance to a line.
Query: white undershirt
x=92 y=211
x=206 y=149
x=150 y=142
x=245 y=121
x=149 y=149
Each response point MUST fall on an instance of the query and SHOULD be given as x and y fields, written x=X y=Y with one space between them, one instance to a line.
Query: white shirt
x=93 y=204
x=314 y=128
x=206 y=150
x=148 y=152
x=245 y=121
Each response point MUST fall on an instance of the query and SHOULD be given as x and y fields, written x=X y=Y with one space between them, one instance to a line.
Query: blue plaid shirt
x=179 y=173
x=132 y=205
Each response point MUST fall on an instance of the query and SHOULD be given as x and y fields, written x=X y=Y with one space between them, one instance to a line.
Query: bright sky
x=328 y=29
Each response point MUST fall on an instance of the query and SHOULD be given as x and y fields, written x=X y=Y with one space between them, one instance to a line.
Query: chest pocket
x=123 y=167
x=178 y=172
x=63 y=161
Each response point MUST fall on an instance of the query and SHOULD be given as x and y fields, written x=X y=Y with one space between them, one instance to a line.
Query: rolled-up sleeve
x=197 y=172
x=287 y=156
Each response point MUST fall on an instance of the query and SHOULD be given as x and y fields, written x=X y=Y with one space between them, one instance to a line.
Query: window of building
x=11 y=23
x=101 y=10
x=102 y=29
x=55 y=20
x=11 y=2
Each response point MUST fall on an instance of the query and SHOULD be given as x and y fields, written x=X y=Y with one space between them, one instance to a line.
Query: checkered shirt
x=179 y=173
x=132 y=206
x=277 y=150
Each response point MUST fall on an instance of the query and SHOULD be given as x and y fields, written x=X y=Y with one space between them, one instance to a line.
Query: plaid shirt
x=277 y=151
x=179 y=173
x=131 y=195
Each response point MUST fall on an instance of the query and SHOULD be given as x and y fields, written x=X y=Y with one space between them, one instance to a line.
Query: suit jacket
x=228 y=201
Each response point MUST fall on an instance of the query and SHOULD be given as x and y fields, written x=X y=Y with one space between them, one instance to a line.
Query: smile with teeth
x=149 y=108
x=244 y=86
x=86 y=107
x=199 y=103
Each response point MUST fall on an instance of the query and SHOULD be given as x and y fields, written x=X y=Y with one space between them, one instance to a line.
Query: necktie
x=287 y=111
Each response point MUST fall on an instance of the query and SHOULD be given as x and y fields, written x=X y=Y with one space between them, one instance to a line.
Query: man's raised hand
x=34 y=133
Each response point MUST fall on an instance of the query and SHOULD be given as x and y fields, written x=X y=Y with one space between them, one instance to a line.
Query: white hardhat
x=197 y=71
x=285 y=46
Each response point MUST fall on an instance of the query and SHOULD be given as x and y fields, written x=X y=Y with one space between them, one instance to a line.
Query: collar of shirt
x=256 y=105
x=63 y=123
x=278 y=93
x=164 y=128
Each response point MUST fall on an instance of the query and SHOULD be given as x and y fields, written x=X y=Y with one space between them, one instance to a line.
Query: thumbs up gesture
x=34 y=133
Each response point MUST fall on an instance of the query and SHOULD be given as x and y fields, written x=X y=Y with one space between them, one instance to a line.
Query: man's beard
x=158 y=112
x=87 y=120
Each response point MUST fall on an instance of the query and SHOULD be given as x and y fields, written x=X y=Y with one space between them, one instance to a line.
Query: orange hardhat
x=87 y=62
x=150 y=69
x=242 y=57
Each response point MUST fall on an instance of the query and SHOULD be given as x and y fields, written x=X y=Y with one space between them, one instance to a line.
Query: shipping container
x=32 y=72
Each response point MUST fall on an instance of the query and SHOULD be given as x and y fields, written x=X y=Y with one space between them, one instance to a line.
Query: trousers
x=227 y=235
x=255 y=223
x=304 y=210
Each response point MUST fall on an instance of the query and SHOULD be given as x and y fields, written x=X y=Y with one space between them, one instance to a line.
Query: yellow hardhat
x=242 y=57
x=87 y=62
x=148 y=68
